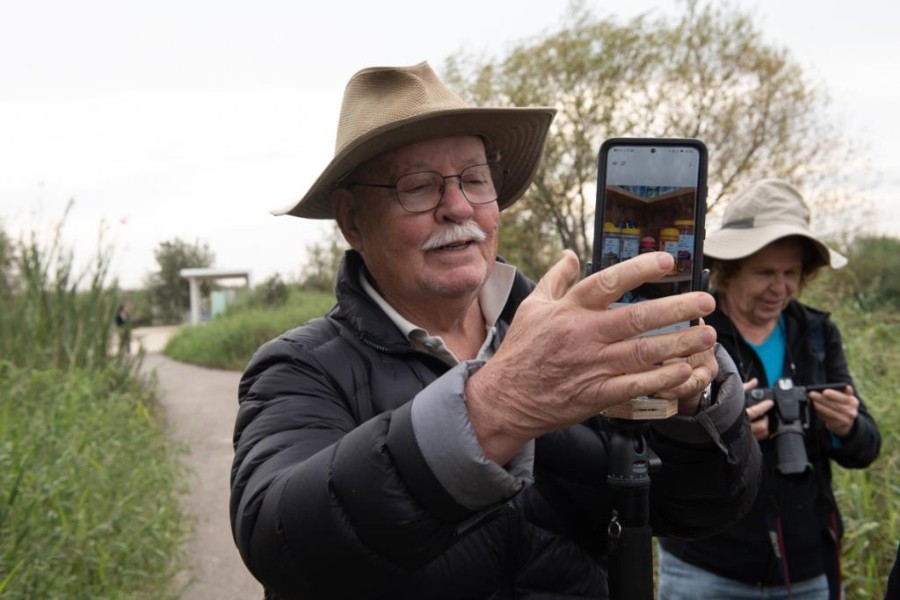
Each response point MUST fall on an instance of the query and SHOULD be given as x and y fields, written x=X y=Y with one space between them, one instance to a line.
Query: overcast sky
x=193 y=118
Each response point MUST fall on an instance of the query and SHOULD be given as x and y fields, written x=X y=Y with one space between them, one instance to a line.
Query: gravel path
x=200 y=407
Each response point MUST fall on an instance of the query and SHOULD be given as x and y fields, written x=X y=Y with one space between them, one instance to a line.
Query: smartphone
x=651 y=196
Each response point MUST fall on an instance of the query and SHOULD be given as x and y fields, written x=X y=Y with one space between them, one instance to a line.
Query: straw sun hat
x=766 y=211
x=385 y=108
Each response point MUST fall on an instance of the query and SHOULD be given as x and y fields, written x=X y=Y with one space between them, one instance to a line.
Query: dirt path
x=200 y=407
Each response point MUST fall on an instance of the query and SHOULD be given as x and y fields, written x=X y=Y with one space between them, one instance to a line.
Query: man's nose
x=454 y=203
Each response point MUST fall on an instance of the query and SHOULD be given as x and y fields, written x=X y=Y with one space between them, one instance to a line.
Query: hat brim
x=518 y=133
x=736 y=243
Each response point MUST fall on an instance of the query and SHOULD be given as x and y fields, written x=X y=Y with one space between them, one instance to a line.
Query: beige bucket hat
x=385 y=108
x=766 y=211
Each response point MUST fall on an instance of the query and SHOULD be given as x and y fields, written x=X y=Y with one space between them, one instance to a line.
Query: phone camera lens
x=653 y=150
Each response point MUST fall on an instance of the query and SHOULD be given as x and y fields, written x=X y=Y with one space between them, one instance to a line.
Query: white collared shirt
x=491 y=298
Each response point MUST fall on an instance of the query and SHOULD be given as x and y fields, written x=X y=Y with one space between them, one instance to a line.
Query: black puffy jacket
x=744 y=552
x=334 y=495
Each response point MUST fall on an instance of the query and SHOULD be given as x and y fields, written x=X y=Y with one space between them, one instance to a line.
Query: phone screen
x=651 y=196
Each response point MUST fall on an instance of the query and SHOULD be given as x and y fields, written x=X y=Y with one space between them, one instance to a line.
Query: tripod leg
x=630 y=550
x=630 y=565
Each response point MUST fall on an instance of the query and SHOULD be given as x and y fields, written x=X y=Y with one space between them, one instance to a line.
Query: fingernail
x=664 y=260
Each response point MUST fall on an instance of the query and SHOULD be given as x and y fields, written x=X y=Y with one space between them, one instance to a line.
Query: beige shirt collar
x=491 y=298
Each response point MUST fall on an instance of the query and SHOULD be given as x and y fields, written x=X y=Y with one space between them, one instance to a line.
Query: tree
x=323 y=261
x=872 y=278
x=169 y=292
x=7 y=264
x=705 y=74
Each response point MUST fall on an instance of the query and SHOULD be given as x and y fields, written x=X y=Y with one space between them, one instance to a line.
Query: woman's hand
x=837 y=409
x=758 y=413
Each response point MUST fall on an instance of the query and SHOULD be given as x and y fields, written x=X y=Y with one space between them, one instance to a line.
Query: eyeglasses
x=422 y=191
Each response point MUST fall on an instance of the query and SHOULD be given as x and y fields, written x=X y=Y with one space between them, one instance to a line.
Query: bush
x=88 y=507
x=228 y=341
x=871 y=280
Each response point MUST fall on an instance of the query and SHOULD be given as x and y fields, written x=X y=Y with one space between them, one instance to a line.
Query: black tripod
x=629 y=550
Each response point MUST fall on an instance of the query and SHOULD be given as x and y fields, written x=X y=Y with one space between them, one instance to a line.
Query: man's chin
x=459 y=282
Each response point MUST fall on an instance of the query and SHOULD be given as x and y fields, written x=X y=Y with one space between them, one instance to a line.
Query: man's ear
x=345 y=214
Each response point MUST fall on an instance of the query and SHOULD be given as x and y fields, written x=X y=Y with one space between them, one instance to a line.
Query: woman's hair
x=721 y=272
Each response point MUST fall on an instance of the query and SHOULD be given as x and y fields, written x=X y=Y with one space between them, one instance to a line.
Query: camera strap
x=831 y=548
x=828 y=523
x=776 y=537
x=831 y=556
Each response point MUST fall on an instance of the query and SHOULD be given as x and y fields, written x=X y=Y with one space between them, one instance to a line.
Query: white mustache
x=455 y=234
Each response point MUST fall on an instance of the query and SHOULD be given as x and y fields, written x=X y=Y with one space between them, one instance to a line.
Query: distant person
x=123 y=326
x=788 y=546
x=436 y=434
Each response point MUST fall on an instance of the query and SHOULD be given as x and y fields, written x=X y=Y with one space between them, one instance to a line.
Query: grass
x=228 y=342
x=89 y=480
x=87 y=508
x=870 y=498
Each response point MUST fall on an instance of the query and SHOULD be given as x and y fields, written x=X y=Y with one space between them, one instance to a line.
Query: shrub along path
x=200 y=406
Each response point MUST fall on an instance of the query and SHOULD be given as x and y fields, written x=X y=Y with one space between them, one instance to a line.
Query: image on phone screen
x=651 y=196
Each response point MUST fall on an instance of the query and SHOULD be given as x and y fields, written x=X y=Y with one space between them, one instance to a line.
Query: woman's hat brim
x=734 y=243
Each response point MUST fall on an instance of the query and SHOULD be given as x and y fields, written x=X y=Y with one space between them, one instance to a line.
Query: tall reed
x=89 y=481
x=52 y=315
x=870 y=498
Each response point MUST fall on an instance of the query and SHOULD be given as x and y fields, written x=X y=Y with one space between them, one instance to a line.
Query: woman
x=788 y=546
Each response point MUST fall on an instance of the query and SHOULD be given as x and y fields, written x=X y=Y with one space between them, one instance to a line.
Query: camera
x=788 y=421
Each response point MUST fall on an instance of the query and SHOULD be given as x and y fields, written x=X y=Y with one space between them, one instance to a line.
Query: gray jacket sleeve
x=450 y=448
x=726 y=408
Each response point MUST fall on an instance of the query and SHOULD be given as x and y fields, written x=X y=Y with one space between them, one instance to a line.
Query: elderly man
x=438 y=433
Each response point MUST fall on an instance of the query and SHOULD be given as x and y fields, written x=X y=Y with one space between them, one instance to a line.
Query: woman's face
x=765 y=282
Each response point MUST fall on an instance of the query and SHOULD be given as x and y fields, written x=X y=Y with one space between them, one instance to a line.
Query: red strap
x=835 y=537
x=778 y=545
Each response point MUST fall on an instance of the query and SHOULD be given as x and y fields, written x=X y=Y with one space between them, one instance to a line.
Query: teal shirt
x=771 y=354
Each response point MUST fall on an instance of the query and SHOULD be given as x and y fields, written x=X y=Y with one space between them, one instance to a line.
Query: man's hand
x=567 y=357
x=705 y=369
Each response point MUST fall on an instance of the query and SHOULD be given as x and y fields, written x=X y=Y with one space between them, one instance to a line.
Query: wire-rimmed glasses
x=422 y=191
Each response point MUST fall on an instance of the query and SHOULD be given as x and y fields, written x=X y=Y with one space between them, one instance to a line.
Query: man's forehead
x=460 y=152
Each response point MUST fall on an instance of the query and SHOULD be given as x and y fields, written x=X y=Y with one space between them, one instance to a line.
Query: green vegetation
x=228 y=341
x=88 y=506
x=873 y=281
x=52 y=316
x=89 y=482
x=869 y=499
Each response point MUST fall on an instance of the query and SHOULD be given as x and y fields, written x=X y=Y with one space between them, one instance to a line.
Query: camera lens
x=652 y=150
